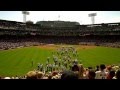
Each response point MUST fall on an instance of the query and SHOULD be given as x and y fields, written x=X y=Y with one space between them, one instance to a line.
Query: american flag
x=58 y=17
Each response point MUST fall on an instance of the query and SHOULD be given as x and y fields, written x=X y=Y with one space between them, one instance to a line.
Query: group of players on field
x=63 y=59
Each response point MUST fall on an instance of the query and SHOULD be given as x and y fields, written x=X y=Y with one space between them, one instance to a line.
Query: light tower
x=92 y=15
x=24 y=15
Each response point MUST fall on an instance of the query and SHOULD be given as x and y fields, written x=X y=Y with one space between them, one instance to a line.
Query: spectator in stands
x=16 y=77
x=117 y=74
x=109 y=68
x=54 y=73
x=7 y=78
x=69 y=75
x=31 y=75
x=75 y=68
x=39 y=75
x=101 y=74
x=91 y=74
x=81 y=71
x=111 y=74
x=97 y=68
x=50 y=76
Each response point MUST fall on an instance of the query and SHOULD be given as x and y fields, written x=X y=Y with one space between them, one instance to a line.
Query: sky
x=78 y=16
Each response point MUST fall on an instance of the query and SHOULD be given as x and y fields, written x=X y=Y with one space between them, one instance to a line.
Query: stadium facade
x=61 y=32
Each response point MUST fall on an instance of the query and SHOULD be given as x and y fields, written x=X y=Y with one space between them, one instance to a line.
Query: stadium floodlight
x=92 y=15
x=24 y=15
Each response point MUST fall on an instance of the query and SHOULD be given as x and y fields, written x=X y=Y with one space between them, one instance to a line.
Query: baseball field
x=19 y=61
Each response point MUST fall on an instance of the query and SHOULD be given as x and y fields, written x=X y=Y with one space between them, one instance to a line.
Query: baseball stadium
x=59 y=50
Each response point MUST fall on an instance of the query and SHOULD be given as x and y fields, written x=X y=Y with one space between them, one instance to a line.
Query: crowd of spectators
x=77 y=72
x=61 y=27
x=14 y=41
x=81 y=35
x=13 y=25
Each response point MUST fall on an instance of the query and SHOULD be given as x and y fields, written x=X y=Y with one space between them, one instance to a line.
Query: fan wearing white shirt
x=101 y=74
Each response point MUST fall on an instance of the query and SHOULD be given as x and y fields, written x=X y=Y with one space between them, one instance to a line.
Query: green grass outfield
x=18 y=61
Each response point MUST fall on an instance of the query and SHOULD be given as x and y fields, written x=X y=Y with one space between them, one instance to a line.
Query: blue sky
x=79 y=16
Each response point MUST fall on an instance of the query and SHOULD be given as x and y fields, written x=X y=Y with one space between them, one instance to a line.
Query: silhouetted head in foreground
x=102 y=67
x=118 y=74
x=31 y=75
x=91 y=74
x=69 y=75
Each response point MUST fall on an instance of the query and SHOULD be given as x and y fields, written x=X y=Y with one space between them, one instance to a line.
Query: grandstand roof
x=10 y=21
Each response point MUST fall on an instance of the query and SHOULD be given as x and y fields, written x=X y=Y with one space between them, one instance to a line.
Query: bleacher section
x=62 y=32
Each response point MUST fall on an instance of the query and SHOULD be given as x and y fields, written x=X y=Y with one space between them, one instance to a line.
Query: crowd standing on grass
x=64 y=64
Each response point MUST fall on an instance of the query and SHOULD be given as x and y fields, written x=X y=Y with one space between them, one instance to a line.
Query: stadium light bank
x=24 y=15
x=92 y=15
